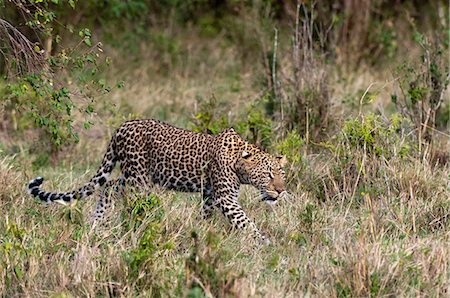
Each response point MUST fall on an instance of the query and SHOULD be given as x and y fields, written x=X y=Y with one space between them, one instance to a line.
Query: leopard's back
x=172 y=157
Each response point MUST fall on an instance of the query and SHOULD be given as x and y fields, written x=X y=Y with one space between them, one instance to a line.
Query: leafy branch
x=48 y=81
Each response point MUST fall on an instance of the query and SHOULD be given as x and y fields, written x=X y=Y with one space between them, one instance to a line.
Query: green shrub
x=146 y=221
x=206 y=120
x=141 y=208
x=375 y=136
x=252 y=124
x=207 y=263
x=43 y=78
x=291 y=147
x=13 y=252
x=422 y=88
x=256 y=127
x=357 y=158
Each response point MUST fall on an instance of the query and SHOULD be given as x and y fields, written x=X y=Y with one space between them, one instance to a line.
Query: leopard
x=151 y=152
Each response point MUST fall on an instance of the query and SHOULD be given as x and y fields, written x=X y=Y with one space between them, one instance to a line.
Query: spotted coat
x=154 y=152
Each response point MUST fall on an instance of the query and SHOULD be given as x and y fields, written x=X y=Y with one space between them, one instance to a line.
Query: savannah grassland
x=368 y=211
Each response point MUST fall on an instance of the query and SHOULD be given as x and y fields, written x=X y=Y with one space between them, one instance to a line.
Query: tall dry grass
x=390 y=242
x=356 y=223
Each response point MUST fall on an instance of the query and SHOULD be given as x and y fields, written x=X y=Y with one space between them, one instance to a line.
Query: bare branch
x=20 y=54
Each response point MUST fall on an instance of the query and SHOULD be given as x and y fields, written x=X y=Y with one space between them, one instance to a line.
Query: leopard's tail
x=99 y=179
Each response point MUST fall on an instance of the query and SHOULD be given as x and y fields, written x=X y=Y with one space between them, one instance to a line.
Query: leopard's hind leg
x=112 y=188
x=209 y=204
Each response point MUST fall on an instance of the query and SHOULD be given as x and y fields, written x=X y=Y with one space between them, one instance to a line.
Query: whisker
x=286 y=196
x=262 y=197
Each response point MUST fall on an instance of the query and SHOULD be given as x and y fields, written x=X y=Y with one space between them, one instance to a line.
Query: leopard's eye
x=270 y=175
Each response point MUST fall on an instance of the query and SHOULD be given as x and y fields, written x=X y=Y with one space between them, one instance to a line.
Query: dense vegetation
x=354 y=94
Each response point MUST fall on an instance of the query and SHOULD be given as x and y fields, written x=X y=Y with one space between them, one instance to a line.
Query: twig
x=274 y=64
x=22 y=50
x=435 y=130
x=362 y=97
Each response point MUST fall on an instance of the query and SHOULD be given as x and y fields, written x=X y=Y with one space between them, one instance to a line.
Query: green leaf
x=89 y=109
x=418 y=37
x=18 y=272
x=102 y=83
x=88 y=42
x=87 y=32
x=86 y=125
x=394 y=98
x=90 y=58
x=72 y=3
x=64 y=91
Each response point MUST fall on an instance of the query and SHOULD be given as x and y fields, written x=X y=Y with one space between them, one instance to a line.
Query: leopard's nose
x=280 y=189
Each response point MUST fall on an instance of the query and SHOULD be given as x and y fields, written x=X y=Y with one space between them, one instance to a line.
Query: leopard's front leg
x=238 y=219
x=225 y=193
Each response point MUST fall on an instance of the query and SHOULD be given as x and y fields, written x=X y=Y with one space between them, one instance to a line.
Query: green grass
x=340 y=245
x=368 y=213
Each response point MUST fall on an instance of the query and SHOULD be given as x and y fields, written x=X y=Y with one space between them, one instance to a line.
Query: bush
x=298 y=84
x=206 y=267
x=359 y=159
x=46 y=80
x=422 y=87
x=251 y=123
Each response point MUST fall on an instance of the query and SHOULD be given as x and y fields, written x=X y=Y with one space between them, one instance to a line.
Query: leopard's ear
x=282 y=160
x=246 y=154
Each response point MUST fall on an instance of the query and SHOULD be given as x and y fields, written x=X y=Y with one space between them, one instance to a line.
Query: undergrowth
x=367 y=216
x=368 y=210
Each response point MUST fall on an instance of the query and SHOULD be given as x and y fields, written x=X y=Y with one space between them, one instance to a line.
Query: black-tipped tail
x=33 y=186
x=101 y=177
x=45 y=196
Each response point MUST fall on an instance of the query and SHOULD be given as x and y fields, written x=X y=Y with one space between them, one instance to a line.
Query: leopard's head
x=263 y=171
